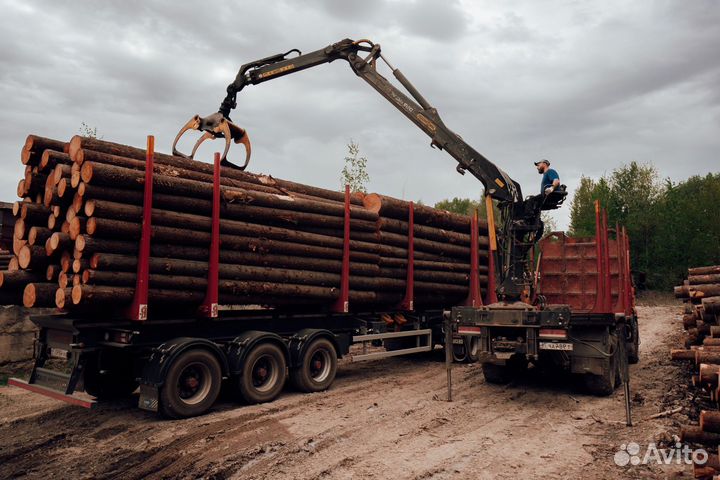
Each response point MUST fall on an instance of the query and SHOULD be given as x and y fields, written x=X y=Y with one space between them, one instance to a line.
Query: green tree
x=354 y=173
x=87 y=131
x=462 y=206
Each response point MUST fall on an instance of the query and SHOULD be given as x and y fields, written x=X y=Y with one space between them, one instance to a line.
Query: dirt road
x=382 y=419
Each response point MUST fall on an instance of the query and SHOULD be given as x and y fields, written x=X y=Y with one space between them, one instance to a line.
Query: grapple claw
x=215 y=126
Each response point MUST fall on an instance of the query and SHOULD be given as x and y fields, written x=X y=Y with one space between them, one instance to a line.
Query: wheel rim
x=194 y=383
x=264 y=373
x=319 y=365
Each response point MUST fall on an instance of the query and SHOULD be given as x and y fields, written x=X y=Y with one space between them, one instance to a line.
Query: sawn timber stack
x=80 y=219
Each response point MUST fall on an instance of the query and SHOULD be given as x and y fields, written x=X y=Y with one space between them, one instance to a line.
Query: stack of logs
x=701 y=294
x=77 y=231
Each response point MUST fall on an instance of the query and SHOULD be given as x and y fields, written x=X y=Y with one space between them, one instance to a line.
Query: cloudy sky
x=589 y=85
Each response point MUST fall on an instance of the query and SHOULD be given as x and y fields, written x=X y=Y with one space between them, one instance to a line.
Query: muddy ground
x=381 y=419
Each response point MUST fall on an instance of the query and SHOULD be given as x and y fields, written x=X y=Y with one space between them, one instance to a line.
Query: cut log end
x=29 y=295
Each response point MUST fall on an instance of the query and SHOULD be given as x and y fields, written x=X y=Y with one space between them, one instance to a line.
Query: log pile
x=700 y=293
x=78 y=226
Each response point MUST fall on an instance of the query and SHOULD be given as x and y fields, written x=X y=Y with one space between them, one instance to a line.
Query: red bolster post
x=209 y=307
x=342 y=305
x=139 y=305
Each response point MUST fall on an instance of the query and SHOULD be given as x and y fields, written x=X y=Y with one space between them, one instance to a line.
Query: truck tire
x=633 y=346
x=497 y=374
x=459 y=352
x=117 y=380
x=604 y=384
x=472 y=348
x=192 y=384
x=263 y=375
x=317 y=368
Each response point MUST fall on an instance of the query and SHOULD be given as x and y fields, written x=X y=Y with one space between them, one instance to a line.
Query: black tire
x=263 y=375
x=497 y=374
x=459 y=352
x=604 y=384
x=633 y=346
x=192 y=384
x=112 y=379
x=317 y=367
x=472 y=348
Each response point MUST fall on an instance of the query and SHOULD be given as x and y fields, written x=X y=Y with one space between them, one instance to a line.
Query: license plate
x=556 y=346
x=58 y=353
x=458 y=341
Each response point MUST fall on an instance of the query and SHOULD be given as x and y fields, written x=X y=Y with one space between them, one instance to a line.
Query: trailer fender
x=299 y=342
x=163 y=356
x=238 y=349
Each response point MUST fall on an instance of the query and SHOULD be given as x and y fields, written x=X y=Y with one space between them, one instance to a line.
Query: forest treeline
x=672 y=225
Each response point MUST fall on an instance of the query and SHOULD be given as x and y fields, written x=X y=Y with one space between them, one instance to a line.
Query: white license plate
x=58 y=353
x=458 y=341
x=556 y=346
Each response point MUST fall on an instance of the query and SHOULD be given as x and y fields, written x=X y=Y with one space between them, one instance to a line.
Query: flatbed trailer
x=581 y=320
x=180 y=364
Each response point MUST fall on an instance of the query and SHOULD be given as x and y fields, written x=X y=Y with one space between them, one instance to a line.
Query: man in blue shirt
x=550 y=178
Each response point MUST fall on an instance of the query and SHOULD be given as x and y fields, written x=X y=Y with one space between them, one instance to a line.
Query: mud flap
x=149 y=396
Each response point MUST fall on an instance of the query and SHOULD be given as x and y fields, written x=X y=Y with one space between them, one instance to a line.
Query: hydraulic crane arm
x=362 y=56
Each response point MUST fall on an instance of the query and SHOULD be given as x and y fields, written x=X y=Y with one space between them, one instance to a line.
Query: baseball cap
x=543 y=161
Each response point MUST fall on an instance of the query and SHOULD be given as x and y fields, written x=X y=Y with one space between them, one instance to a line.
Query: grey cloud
x=588 y=86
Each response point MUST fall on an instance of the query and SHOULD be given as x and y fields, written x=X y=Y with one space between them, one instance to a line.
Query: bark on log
x=709 y=374
x=709 y=270
x=709 y=420
x=15 y=279
x=52 y=158
x=260 y=246
x=128 y=263
x=38 y=235
x=682 y=354
x=78 y=143
x=33 y=213
x=692 y=434
x=398 y=209
x=704 y=279
x=712 y=305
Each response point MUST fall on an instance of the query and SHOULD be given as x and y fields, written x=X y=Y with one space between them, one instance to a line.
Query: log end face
x=74 y=147
x=372 y=202
x=29 y=295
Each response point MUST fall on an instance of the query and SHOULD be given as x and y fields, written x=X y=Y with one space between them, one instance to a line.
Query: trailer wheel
x=472 y=348
x=317 y=367
x=604 y=384
x=192 y=384
x=459 y=352
x=263 y=375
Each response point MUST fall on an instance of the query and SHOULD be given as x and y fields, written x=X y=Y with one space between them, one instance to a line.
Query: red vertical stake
x=408 y=302
x=600 y=286
x=606 y=255
x=139 y=305
x=343 y=302
x=474 y=299
x=209 y=307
